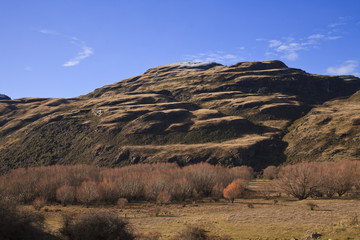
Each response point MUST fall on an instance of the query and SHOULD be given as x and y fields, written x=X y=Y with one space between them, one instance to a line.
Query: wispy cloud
x=334 y=37
x=290 y=48
x=274 y=43
x=287 y=50
x=334 y=25
x=316 y=36
x=346 y=68
x=48 y=32
x=84 y=53
x=218 y=56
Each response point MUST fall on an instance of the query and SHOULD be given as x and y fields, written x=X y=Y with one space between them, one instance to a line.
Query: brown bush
x=39 y=203
x=131 y=185
x=66 y=194
x=270 y=172
x=244 y=172
x=197 y=233
x=156 y=184
x=163 y=197
x=122 y=202
x=202 y=176
x=232 y=191
x=299 y=181
x=217 y=191
x=182 y=189
x=108 y=191
x=96 y=225
x=87 y=193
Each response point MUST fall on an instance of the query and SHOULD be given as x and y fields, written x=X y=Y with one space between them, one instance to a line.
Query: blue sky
x=66 y=48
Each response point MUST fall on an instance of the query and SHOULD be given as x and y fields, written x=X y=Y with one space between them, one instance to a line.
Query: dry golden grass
x=328 y=132
x=335 y=219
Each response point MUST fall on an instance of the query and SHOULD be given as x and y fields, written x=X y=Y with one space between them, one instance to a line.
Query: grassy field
x=334 y=219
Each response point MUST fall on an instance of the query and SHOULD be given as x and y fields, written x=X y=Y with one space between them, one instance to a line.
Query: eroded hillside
x=184 y=113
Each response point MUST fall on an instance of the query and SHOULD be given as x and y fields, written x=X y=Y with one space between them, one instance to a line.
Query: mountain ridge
x=172 y=113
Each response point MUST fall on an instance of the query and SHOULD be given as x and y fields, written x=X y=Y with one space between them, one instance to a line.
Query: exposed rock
x=183 y=112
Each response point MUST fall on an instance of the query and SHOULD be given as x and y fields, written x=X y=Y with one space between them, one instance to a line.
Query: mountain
x=329 y=132
x=4 y=97
x=182 y=112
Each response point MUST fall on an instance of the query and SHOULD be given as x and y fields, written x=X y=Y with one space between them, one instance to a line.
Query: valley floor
x=285 y=219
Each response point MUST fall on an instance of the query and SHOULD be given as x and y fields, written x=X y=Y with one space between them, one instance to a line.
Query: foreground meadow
x=243 y=219
x=197 y=202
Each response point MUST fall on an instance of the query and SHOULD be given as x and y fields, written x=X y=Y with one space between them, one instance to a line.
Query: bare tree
x=66 y=194
x=298 y=180
x=87 y=193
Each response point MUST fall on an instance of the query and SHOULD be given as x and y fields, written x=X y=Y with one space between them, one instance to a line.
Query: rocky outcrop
x=183 y=112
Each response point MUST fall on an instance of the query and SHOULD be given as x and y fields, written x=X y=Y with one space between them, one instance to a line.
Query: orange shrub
x=232 y=191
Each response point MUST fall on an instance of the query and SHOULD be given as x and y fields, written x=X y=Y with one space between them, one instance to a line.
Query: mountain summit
x=182 y=112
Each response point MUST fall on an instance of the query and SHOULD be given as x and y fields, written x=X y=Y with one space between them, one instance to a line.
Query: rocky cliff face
x=184 y=113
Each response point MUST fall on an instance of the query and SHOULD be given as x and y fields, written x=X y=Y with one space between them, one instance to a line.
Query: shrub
x=299 y=181
x=87 y=193
x=244 y=172
x=131 y=185
x=122 y=202
x=18 y=225
x=270 y=172
x=108 y=191
x=232 y=191
x=242 y=182
x=155 y=211
x=156 y=184
x=312 y=205
x=197 y=233
x=217 y=191
x=203 y=177
x=182 y=189
x=340 y=178
x=66 y=194
x=163 y=197
x=96 y=225
x=39 y=203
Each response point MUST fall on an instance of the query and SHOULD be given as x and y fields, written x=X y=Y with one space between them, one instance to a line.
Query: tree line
x=167 y=182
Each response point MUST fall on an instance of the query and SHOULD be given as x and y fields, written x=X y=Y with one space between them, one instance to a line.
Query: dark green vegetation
x=231 y=116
